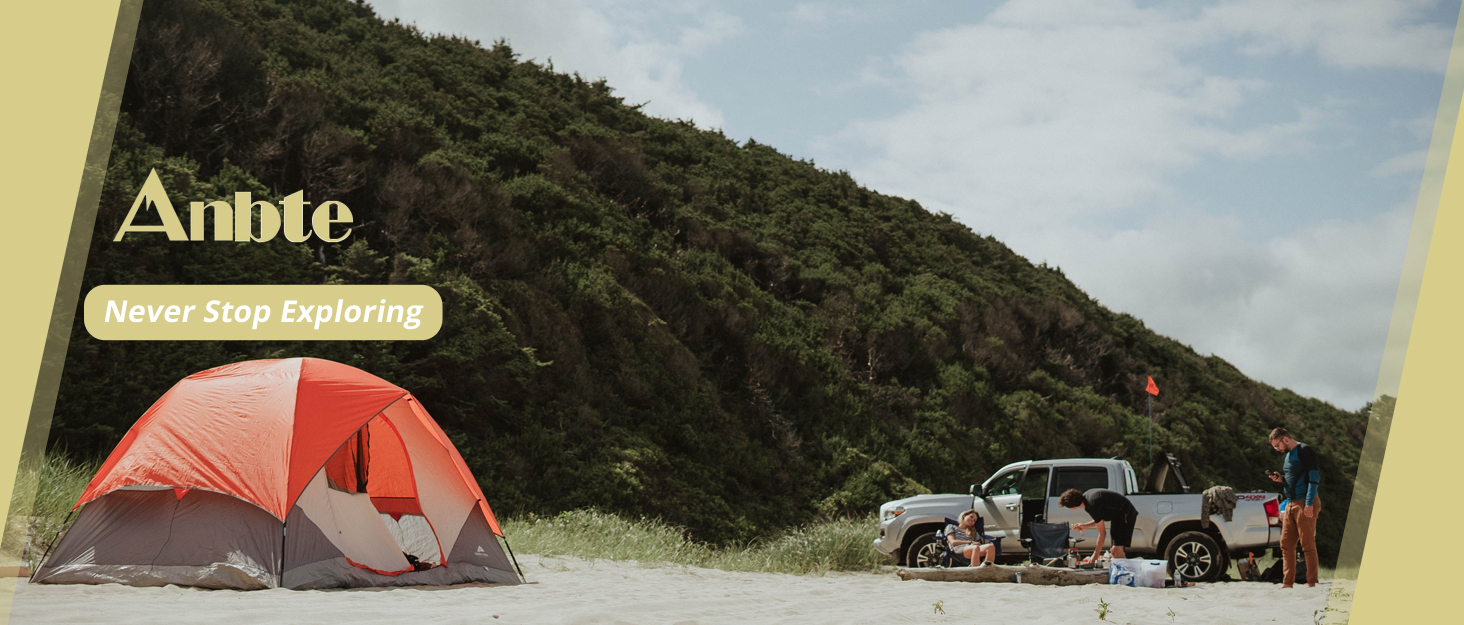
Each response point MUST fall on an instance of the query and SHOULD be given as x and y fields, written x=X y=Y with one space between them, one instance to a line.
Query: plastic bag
x=1137 y=573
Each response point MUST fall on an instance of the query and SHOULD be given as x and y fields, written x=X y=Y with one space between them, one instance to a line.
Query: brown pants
x=1295 y=526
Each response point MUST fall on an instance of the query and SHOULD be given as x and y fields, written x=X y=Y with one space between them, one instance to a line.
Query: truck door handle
x=1011 y=506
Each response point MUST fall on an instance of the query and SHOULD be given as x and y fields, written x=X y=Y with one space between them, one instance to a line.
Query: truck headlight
x=890 y=513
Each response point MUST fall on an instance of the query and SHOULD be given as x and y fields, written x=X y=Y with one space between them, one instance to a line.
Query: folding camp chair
x=951 y=556
x=1048 y=542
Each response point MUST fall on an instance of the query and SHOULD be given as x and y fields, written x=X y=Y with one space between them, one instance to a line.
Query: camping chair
x=1048 y=542
x=950 y=556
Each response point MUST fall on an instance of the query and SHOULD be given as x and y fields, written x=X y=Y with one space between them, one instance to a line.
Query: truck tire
x=924 y=552
x=1196 y=556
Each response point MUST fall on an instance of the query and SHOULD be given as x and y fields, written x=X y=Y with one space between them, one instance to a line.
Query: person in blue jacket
x=1302 y=476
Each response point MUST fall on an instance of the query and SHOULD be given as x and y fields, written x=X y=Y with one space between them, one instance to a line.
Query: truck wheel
x=1196 y=556
x=923 y=552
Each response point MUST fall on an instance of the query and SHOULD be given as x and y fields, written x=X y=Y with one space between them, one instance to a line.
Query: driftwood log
x=1039 y=575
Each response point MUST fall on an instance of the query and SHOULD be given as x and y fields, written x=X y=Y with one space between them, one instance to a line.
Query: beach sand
x=575 y=591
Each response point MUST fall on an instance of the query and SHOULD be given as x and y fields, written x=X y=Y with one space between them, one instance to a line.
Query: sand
x=578 y=591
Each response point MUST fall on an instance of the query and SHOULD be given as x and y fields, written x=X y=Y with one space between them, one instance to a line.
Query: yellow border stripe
x=56 y=57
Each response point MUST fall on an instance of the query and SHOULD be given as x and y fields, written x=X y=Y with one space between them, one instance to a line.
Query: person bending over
x=1107 y=508
x=964 y=538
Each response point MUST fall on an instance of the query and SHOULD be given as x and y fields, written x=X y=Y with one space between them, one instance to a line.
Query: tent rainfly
x=301 y=473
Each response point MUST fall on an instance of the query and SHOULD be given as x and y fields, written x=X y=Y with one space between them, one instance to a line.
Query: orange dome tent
x=302 y=472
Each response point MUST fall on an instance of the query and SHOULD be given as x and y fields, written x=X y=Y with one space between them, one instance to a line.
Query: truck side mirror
x=977 y=491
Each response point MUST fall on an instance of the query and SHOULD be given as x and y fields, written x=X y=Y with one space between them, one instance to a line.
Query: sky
x=1241 y=175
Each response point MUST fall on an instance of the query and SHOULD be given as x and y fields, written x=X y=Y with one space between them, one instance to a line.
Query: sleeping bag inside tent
x=301 y=473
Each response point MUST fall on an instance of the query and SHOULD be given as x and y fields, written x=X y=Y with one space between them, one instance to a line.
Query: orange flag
x=1153 y=388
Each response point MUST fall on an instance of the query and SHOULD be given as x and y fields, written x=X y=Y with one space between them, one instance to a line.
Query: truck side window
x=1081 y=478
x=1034 y=486
x=1005 y=484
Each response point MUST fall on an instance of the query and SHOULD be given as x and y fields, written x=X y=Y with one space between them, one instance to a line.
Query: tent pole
x=515 y=560
x=284 y=527
x=51 y=546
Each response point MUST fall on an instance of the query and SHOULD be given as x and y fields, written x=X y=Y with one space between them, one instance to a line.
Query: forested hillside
x=640 y=316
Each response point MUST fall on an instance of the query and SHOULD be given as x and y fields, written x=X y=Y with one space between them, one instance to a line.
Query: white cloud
x=1409 y=164
x=596 y=39
x=823 y=13
x=1342 y=33
x=1074 y=110
x=1420 y=127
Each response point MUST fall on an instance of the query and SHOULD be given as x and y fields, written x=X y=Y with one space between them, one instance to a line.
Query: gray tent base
x=210 y=540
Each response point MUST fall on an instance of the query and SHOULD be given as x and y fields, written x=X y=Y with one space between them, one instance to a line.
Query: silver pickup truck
x=1168 y=526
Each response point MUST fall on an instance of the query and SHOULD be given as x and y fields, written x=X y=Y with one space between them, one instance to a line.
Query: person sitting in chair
x=1104 y=505
x=965 y=540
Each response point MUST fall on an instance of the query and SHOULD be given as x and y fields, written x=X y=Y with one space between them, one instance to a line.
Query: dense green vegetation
x=641 y=317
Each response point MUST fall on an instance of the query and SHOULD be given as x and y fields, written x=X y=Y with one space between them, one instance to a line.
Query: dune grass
x=42 y=500
x=837 y=545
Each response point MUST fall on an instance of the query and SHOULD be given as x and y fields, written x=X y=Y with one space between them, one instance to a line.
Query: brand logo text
x=235 y=222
